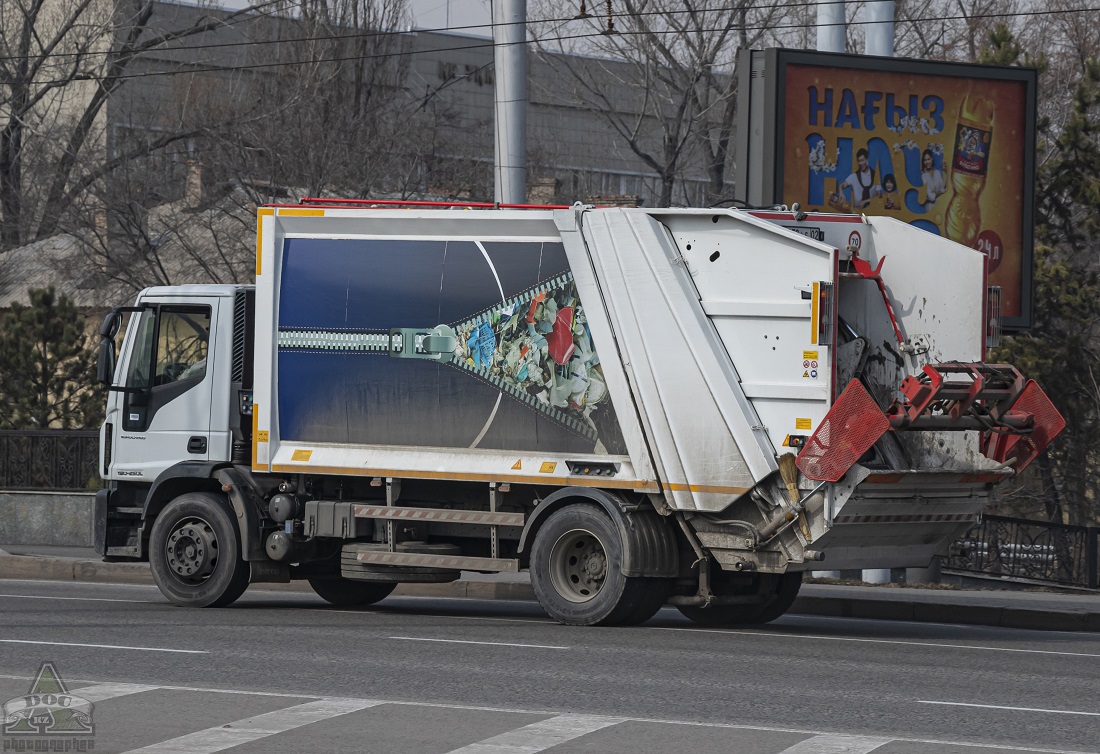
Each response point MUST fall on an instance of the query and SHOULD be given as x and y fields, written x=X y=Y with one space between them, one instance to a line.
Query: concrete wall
x=56 y=519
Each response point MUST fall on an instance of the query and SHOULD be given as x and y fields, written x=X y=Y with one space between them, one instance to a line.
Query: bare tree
x=665 y=79
x=949 y=29
x=307 y=99
x=60 y=64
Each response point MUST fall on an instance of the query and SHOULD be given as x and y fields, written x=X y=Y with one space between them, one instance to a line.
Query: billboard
x=946 y=147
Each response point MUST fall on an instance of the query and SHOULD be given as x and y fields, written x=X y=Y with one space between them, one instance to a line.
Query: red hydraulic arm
x=1016 y=418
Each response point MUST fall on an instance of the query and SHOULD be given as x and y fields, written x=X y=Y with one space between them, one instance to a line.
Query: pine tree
x=1062 y=348
x=47 y=369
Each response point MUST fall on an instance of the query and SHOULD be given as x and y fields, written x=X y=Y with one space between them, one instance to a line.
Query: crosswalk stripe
x=254 y=728
x=541 y=735
x=831 y=744
x=102 y=691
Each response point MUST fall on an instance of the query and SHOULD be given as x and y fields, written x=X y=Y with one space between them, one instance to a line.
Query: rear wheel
x=348 y=592
x=195 y=552
x=576 y=571
x=780 y=595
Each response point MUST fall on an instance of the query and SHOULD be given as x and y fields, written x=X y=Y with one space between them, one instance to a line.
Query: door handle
x=196 y=445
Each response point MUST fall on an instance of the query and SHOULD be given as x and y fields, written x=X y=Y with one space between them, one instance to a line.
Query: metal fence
x=1017 y=548
x=59 y=460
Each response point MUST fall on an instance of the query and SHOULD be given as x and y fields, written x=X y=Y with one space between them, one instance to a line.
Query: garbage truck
x=639 y=407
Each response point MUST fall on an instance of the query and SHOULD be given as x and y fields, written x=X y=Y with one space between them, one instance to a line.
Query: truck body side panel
x=757 y=286
x=520 y=394
x=697 y=298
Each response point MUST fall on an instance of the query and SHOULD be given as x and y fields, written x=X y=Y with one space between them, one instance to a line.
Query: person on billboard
x=862 y=181
x=890 y=192
x=934 y=183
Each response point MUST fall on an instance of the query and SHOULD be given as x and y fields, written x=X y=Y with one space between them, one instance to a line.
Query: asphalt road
x=282 y=672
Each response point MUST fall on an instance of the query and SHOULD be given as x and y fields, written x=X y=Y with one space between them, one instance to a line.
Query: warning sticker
x=261 y=436
x=517 y=465
x=809 y=355
x=547 y=467
x=301 y=455
x=803 y=424
x=805 y=375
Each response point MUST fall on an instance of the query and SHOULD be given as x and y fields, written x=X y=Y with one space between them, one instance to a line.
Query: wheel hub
x=578 y=565
x=192 y=550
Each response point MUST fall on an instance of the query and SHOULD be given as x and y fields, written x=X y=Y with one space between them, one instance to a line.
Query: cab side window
x=182 y=344
x=168 y=359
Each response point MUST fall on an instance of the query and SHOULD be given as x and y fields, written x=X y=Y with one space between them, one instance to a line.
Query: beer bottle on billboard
x=969 y=165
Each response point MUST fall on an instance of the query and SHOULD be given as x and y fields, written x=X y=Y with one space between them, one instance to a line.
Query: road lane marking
x=735 y=632
x=656 y=720
x=105 y=646
x=102 y=691
x=487 y=643
x=830 y=744
x=1011 y=709
x=540 y=736
x=78 y=599
x=254 y=728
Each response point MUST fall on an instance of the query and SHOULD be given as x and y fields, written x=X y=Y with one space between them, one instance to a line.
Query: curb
x=926 y=612
x=75 y=569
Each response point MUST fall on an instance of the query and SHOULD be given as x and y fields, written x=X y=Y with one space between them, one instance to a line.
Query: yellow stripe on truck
x=261 y=213
x=815 y=302
x=624 y=484
x=705 y=488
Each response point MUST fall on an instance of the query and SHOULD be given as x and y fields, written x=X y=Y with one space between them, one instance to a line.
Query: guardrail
x=1022 y=549
x=56 y=460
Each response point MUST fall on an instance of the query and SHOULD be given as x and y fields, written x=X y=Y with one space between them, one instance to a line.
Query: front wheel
x=576 y=572
x=349 y=592
x=195 y=552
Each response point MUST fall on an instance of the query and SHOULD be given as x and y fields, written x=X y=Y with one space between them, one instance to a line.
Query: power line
x=196 y=67
x=250 y=15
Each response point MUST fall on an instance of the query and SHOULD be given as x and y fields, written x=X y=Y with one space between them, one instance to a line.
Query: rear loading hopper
x=854 y=343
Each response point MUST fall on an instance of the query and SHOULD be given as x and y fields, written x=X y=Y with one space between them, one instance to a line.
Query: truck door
x=163 y=416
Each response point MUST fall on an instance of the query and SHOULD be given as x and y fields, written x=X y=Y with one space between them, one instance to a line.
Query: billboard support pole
x=831 y=28
x=879 y=38
x=510 y=95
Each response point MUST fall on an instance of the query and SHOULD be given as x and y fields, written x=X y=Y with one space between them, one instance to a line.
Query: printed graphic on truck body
x=453 y=344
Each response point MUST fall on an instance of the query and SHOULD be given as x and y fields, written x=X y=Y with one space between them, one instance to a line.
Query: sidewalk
x=1047 y=611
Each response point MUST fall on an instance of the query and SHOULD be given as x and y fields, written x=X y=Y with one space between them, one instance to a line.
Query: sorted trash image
x=459 y=344
x=538 y=346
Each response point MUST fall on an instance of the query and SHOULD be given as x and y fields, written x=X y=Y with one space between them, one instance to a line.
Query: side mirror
x=105 y=368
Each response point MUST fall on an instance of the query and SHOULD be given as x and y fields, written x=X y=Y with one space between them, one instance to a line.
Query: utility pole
x=510 y=98
x=879 y=39
x=831 y=26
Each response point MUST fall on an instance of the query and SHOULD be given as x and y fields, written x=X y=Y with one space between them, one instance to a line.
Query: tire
x=783 y=590
x=576 y=572
x=785 y=594
x=349 y=592
x=195 y=552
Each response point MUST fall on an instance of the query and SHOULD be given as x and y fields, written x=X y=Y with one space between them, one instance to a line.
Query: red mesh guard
x=1023 y=449
x=850 y=428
